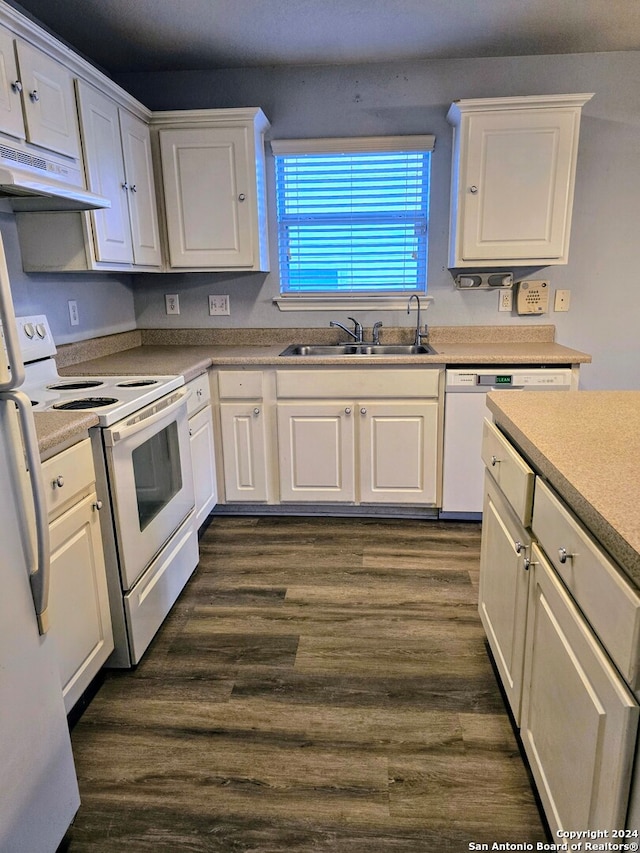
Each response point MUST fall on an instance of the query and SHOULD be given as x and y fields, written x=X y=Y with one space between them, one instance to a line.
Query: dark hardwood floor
x=321 y=685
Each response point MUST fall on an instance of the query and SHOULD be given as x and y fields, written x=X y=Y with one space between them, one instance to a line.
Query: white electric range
x=144 y=479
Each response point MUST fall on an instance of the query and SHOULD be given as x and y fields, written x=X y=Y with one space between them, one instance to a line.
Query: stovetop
x=111 y=398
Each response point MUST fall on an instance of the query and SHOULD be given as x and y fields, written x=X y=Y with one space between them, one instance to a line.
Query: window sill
x=353 y=303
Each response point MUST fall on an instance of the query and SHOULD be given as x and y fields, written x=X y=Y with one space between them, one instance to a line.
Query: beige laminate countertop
x=587 y=445
x=58 y=430
x=191 y=360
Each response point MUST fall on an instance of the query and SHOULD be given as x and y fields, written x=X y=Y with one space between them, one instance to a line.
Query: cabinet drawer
x=68 y=475
x=200 y=393
x=360 y=383
x=608 y=602
x=240 y=384
x=509 y=470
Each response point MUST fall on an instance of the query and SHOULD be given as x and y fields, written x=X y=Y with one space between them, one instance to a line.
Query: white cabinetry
x=513 y=175
x=37 y=101
x=504 y=583
x=379 y=447
x=202 y=447
x=579 y=720
x=117 y=155
x=78 y=598
x=564 y=628
x=243 y=421
x=213 y=181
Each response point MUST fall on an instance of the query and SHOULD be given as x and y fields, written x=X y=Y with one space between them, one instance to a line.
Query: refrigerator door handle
x=40 y=573
x=14 y=377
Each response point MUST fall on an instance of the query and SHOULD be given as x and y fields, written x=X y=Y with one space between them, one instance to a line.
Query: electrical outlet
x=171 y=303
x=505 y=300
x=562 y=300
x=219 y=305
x=74 y=317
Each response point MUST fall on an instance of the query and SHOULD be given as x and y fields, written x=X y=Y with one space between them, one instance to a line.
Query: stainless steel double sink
x=357 y=349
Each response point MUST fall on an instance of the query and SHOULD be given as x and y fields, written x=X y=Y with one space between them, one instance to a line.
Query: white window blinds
x=353 y=215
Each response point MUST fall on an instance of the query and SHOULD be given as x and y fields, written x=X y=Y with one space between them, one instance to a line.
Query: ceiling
x=167 y=35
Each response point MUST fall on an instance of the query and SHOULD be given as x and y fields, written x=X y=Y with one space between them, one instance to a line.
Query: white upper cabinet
x=117 y=155
x=11 y=120
x=49 y=102
x=213 y=179
x=513 y=175
x=138 y=168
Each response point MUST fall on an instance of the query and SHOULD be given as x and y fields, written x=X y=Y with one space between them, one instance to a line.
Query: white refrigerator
x=38 y=787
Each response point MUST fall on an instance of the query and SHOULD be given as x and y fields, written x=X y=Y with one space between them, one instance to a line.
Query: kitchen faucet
x=418 y=338
x=357 y=329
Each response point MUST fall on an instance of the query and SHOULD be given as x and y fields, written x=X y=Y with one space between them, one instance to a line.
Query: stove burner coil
x=86 y=403
x=76 y=385
x=137 y=383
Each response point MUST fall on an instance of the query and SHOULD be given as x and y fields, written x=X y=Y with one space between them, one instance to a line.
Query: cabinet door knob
x=241 y=197
x=16 y=86
x=363 y=411
x=347 y=411
x=34 y=96
x=563 y=555
x=494 y=461
x=58 y=483
x=519 y=547
x=125 y=186
x=473 y=190
x=256 y=411
x=96 y=506
x=133 y=188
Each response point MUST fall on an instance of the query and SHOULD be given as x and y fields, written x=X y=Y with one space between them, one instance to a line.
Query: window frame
x=383 y=299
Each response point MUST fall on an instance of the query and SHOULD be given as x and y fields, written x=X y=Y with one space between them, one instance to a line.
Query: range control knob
x=29 y=330
x=40 y=329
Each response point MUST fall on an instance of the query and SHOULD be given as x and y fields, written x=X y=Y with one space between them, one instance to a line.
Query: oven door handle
x=143 y=421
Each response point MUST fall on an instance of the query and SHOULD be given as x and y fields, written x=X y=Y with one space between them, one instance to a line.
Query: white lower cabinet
x=380 y=447
x=201 y=442
x=316 y=451
x=563 y=626
x=78 y=598
x=504 y=584
x=579 y=720
x=244 y=444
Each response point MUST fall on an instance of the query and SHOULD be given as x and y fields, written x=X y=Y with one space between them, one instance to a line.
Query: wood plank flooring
x=321 y=685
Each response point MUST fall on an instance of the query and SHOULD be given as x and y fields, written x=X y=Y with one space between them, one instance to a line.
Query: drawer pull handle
x=58 y=482
x=494 y=461
x=563 y=556
x=96 y=506
x=527 y=563
x=519 y=547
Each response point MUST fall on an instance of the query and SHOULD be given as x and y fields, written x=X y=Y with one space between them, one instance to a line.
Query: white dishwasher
x=464 y=412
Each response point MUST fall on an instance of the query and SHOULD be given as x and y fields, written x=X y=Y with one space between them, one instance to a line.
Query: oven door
x=151 y=480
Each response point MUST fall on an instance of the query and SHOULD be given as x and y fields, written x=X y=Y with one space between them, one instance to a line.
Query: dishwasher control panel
x=486 y=380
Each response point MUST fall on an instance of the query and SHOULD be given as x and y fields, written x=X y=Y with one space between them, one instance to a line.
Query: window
x=353 y=215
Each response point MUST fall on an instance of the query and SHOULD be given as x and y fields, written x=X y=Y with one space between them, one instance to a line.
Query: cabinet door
x=105 y=174
x=49 y=102
x=244 y=451
x=579 y=721
x=203 y=462
x=138 y=167
x=504 y=582
x=518 y=187
x=78 y=598
x=11 y=120
x=398 y=451
x=316 y=451
x=208 y=197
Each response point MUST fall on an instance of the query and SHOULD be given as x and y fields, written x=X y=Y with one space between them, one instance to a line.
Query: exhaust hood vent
x=33 y=182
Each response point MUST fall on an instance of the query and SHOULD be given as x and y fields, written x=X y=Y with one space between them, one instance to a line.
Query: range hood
x=35 y=182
